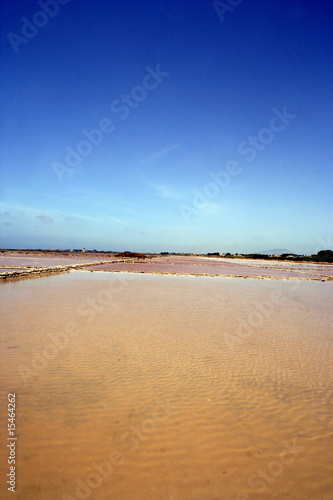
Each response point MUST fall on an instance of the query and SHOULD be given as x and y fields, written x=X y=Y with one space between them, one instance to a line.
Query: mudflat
x=169 y=387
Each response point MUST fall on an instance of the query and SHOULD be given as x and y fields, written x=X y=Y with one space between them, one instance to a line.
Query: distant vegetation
x=321 y=256
x=131 y=255
x=325 y=256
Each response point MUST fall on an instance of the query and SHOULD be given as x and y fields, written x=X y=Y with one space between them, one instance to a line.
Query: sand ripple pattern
x=176 y=375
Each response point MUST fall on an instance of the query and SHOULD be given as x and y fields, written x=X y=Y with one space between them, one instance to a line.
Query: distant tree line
x=321 y=256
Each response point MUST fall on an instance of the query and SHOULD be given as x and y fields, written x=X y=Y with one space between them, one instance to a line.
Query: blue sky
x=167 y=125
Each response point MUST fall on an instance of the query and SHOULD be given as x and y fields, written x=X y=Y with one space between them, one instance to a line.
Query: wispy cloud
x=45 y=219
x=157 y=154
x=215 y=209
x=78 y=201
x=23 y=213
x=168 y=192
x=51 y=217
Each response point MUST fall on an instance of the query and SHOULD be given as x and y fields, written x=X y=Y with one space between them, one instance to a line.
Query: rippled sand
x=134 y=386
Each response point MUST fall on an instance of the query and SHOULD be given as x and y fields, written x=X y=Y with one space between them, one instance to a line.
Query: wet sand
x=136 y=386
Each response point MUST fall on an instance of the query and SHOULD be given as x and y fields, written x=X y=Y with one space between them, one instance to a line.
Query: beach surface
x=137 y=385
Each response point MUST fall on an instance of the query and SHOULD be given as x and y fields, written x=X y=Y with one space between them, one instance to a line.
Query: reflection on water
x=166 y=387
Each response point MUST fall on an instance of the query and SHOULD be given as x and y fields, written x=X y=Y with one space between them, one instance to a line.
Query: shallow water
x=168 y=387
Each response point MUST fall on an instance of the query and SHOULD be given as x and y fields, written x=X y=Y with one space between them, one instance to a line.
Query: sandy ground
x=168 y=387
